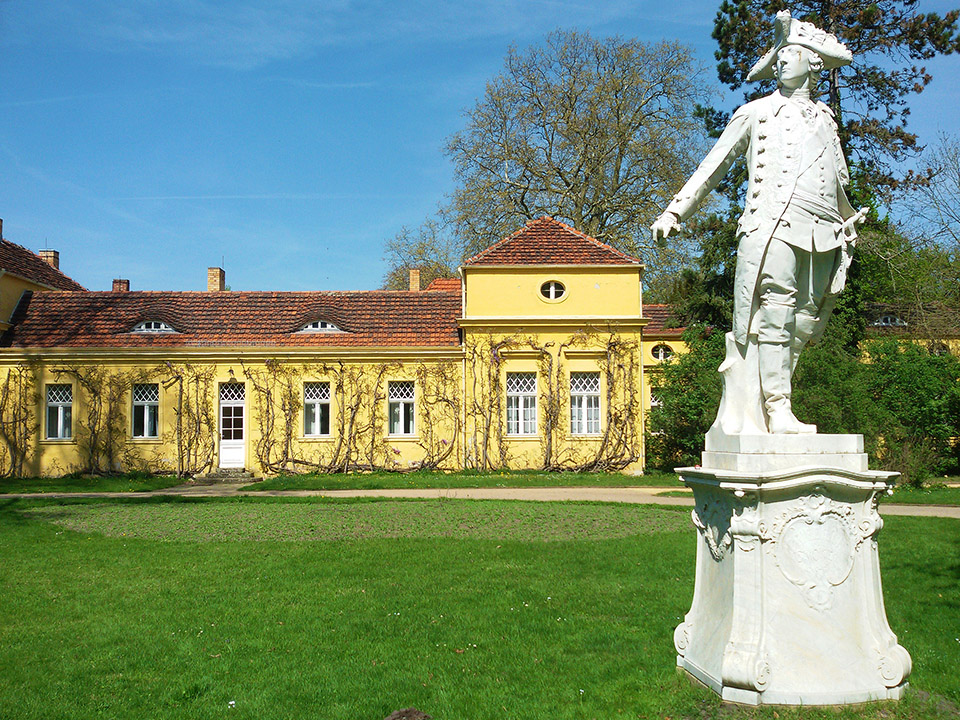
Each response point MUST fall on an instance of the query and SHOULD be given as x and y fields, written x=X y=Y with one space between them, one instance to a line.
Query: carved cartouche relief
x=815 y=541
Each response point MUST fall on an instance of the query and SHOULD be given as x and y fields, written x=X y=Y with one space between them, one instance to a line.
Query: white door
x=232 y=442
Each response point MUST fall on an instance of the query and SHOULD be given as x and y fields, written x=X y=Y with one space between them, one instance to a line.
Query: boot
x=776 y=364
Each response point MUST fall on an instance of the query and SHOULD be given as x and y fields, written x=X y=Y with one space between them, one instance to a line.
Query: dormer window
x=320 y=326
x=152 y=326
x=889 y=321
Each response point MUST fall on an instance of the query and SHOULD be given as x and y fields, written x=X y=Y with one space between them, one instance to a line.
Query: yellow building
x=536 y=357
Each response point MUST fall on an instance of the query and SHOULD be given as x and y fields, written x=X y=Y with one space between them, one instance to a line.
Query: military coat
x=769 y=132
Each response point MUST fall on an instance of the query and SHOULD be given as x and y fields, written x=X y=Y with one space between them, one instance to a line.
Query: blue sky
x=150 y=139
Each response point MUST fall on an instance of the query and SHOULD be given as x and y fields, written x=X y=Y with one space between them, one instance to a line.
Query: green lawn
x=931 y=495
x=281 y=608
x=71 y=483
x=430 y=479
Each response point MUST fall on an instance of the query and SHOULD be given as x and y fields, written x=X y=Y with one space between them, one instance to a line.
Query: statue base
x=787 y=606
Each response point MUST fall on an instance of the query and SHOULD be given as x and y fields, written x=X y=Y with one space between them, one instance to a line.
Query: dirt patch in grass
x=300 y=521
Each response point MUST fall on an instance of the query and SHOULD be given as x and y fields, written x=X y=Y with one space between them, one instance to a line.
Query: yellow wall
x=612 y=291
x=460 y=401
x=11 y=288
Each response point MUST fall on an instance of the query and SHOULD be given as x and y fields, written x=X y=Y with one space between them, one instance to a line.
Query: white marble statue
x=796 y=231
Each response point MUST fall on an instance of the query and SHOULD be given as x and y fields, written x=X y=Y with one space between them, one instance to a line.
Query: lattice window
x=316 y=391
x=585 y=403
x=146 y=393
x=232 y=392
x=401 y=390
x=59 y=412
x=146 y=410
x=152 y=326
x=59 y=394
x=401 y=395
x=521 y=403
x=316 y=408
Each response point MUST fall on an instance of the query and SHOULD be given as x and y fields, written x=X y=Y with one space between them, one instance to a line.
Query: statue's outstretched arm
x=733 y=143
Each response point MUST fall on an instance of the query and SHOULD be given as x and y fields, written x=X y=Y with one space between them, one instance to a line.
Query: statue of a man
x=797 y=227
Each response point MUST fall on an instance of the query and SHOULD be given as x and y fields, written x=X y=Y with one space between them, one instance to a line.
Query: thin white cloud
x=260 y=196
x=249 y=33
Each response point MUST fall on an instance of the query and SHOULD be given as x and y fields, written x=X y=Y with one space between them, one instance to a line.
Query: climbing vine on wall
x=19 y=423
x=195 y=424
x=358 y=439
x=100 y=430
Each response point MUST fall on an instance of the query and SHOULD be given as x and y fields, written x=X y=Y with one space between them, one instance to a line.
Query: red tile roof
x=660 y=316
x=104 y=319
x=17 y=260
x=443 y=284
x=546 y=241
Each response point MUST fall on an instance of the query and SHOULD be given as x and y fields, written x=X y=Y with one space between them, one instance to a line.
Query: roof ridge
x=47 y=267
x=547 y=221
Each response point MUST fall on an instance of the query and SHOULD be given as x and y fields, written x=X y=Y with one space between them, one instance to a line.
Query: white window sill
x=58 y=441
x=401 y=438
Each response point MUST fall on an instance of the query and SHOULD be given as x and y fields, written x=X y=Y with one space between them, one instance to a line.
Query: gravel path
x=642 y=495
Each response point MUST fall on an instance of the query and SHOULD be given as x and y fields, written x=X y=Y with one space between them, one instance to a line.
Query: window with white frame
x=319 y=326
x=316 y=409
x=553 y=290
x=59 y=412
x=585 y=403
x=152 y=326
x=521 y=403
x=146 y=410
x=401 y=398
x=662 y=352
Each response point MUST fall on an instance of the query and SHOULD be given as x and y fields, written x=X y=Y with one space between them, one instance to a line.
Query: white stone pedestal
x=787 y=605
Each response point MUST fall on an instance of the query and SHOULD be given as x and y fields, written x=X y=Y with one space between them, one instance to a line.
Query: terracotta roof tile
x=104 y=319
x=17 y=260
x=660 y=316
x=546 y=241
x=443 y=284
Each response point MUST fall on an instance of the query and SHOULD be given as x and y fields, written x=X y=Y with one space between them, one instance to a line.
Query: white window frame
x=153 y=326
x=661 y=352
x=320 y=326
x=521 y=404
x=401 y=408
x=316 y=397
x=553 y=291
x=146 y=408
x=63 y=411
x=584 y=403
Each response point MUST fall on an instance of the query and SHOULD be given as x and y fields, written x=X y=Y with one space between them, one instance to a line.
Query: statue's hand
x=665 y=224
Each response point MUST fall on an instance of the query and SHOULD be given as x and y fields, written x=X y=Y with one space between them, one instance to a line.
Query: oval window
x=662 y=352
x=553 y=290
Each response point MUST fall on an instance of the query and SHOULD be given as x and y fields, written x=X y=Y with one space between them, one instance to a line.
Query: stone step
x=226 y=475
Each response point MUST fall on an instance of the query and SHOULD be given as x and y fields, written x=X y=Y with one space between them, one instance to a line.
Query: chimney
x=216 y=279
x=50 y=257
x=414 y=280
x=120 y=285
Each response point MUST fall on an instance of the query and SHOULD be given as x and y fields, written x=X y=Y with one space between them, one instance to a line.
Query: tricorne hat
x=788 y=31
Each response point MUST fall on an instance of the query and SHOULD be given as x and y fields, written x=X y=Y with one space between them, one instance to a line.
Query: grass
x=265 y=607
x=432 y=479
x=80 y=484
x=935 y=494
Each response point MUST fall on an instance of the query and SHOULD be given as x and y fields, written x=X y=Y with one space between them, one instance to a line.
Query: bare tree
x=598 y=133
x=433 y=248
